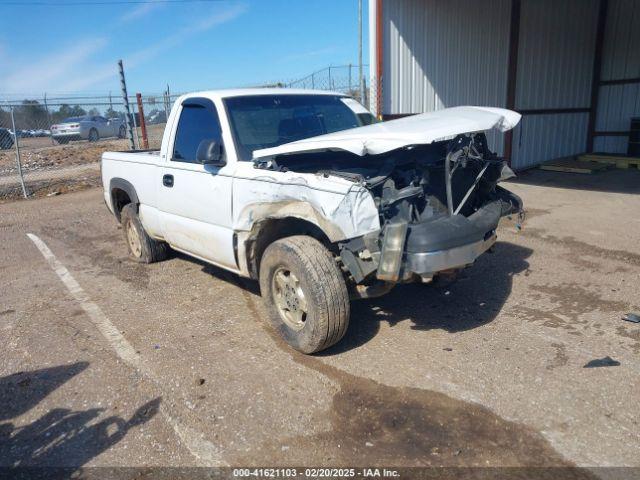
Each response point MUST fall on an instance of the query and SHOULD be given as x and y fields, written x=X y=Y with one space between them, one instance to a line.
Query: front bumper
x=445 y=243
x=67 y=136
x=427 y=264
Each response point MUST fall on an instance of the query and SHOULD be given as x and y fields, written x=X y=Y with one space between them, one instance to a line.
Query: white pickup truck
x=302 y=191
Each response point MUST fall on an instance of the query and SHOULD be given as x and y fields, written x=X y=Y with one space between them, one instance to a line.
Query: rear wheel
x=122 y=132
x=94 y=136
x=142 y=248
x=305 y=293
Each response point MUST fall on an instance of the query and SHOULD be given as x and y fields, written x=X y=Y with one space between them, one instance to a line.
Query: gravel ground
x=53 y=169
x=486 y=372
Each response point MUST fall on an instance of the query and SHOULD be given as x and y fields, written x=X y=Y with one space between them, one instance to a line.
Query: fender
x=125 y=186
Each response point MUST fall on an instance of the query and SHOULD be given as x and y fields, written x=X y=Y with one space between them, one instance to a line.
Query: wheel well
x=270 y=230
x=119 y=199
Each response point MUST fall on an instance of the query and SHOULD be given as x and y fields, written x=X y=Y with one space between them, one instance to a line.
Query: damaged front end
x=439 y=206
x=439 y=210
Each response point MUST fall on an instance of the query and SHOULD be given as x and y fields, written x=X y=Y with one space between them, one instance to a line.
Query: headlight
x=392 y=249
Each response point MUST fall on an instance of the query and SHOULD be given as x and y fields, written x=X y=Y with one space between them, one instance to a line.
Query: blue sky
x=190 y=46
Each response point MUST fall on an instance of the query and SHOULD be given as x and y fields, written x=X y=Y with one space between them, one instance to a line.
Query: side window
x=198 y=121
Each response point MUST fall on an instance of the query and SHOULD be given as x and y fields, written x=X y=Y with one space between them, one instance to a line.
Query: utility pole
x=360 y=76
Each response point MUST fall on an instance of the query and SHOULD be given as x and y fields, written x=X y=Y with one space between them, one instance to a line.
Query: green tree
x=111 y=113
x=66 y=111
x=31 y=115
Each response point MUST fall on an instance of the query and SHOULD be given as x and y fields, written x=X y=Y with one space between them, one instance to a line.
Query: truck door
x=195 y=199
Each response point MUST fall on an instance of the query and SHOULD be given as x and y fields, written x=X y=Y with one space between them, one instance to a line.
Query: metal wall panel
x=621 y=51
x=543 y=137
x=555 y=66
x=440 y=54
x=621 y=60
x=555 y=57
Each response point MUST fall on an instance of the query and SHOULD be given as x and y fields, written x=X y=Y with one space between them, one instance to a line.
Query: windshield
x=265 y=121
x=74 y=119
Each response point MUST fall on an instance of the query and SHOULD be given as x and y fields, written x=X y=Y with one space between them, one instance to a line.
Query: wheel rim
x=134 y=241
x=93 y=135
x=289 y=298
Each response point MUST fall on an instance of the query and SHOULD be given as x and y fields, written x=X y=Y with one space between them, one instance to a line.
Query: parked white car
x=287 y=187
x=91 y=128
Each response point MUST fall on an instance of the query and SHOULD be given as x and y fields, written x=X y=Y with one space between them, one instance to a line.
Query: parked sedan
x=91 y=128
x=6 y=139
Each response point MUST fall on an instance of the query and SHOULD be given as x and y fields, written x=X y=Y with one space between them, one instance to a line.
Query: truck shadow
x=475 y=299
x=61 y=440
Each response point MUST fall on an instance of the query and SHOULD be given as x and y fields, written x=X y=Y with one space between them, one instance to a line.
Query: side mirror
x=210 y=153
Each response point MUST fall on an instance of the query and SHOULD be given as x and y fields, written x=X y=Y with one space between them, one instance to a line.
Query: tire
x=94 y=136
x=122 y=132
x=142 y=248
x=324 y=300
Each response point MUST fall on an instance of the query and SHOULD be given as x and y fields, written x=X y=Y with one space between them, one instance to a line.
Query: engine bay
x=411 y=184
x=439 y=205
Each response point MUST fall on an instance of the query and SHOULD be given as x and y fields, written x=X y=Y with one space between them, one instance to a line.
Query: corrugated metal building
x=571 y=67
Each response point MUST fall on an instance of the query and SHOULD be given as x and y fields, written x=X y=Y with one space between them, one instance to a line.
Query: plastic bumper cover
x=428 y=263
x=445 y=243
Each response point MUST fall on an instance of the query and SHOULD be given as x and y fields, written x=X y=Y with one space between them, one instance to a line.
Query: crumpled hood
x=414 y=130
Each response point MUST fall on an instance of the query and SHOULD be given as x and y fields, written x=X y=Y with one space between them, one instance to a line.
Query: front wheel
x=305 y=293
x=122 y=132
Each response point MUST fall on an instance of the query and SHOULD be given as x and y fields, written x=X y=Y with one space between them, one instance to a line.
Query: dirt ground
x=490 y=371
x=50 y=169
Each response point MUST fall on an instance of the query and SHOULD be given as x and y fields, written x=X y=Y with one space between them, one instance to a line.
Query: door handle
x=167 y=181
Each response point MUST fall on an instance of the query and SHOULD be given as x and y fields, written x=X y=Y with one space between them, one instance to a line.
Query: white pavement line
x=201 y=449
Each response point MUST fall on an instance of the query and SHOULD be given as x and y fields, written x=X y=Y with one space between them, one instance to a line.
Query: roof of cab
x=242 y=92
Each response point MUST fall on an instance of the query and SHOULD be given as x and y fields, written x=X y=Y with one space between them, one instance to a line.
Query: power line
x=59 y=3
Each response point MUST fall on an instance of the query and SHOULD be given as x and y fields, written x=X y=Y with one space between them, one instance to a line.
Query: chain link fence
x=51 y=145
x=342 y=79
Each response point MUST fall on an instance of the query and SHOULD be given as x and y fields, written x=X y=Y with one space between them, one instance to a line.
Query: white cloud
x=72 y=70
x=180 y=36
x=139 y=11
x=41 y=75
x=221 y=17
